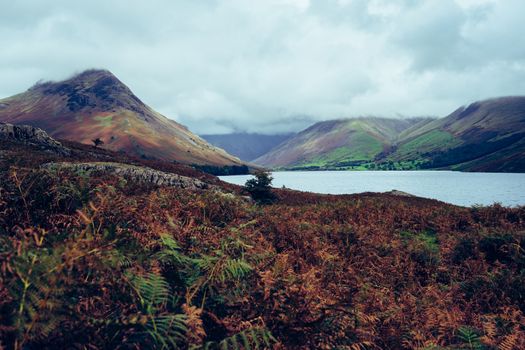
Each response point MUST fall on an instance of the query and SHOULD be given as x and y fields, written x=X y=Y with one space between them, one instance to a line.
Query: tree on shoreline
x=260 y=188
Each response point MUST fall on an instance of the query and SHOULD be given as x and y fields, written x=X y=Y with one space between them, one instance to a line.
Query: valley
x=485 y=136
x=262 y=175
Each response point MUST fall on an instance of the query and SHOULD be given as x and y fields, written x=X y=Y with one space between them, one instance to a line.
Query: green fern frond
x=167 y=331
x=249 y=339
x=207 y=263
x=152 y=290
x=245 y=340
x=470 y=338
x=253 y=337
x=38 y=294
x=44 y=329
x=235 y=269
x=224 y=269
x=152 y=332
x=171 y=252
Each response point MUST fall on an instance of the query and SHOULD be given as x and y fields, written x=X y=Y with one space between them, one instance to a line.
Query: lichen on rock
x=32 y=136
x=133 y=173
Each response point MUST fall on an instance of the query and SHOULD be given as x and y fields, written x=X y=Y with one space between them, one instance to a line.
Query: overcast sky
x=273 y=65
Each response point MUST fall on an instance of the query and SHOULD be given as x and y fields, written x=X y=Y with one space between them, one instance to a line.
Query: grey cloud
x=274 y=65
x=431 y=32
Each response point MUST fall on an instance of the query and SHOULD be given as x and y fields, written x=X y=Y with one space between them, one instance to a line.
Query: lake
x=454 y=187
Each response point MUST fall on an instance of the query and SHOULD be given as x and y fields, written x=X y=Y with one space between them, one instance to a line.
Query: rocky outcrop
x=134 y=173
x=32 y=136
x=399 y=193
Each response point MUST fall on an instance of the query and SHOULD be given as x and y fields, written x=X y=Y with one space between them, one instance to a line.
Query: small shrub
x=260 y=188
x=493 y=247
x=463 y=250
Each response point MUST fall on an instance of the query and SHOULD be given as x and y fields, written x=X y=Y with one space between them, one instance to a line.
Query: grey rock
x=400 y=193
x=134 y=173
x=247 y=199
x=32 y=136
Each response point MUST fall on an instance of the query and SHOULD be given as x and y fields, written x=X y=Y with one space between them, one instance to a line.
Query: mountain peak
x=94 y=72
x=85 y=78
x=97 y=78
x=96 y=104
x=94 y=87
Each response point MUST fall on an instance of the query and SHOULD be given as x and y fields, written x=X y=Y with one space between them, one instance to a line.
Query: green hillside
x=484 y=136
x=345 y=143
x=364 y=148
x=430 y=141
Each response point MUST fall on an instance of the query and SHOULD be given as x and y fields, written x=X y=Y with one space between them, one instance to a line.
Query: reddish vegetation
x=105 y=259
x=18 y=155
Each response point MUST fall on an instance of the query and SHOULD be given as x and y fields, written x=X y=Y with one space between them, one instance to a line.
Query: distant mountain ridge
x=338 y=143
x=247 y=146
x=486 y=135
x=95 y=104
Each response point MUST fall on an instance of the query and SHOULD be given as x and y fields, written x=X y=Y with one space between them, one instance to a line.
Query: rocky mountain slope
x=95 y=104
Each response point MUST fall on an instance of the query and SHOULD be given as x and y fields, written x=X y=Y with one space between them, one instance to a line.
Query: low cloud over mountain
x=279 y=65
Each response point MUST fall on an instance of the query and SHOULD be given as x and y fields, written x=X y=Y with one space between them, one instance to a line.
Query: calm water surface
x=459 y=188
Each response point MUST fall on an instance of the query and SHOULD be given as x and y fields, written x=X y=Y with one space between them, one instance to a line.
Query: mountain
x=95 y=104
x=486 y=135
x=247 y=146
x=338 y=143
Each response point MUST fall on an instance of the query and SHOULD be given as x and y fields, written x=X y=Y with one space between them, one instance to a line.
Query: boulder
x=400 y=193
x=32 y=136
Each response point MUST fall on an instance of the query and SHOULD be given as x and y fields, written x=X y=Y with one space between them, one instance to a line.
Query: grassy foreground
x=93 y=261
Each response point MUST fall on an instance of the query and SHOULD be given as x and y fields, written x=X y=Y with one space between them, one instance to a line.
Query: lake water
x=454 y=187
